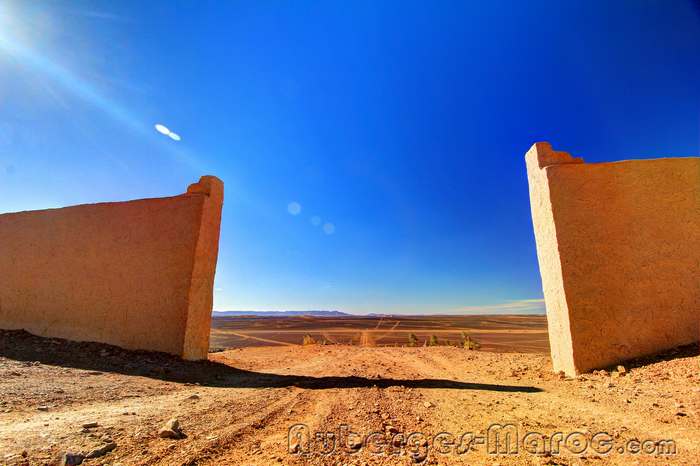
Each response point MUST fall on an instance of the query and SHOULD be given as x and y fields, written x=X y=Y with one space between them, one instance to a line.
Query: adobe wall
x=137 y=274
x=618 y=246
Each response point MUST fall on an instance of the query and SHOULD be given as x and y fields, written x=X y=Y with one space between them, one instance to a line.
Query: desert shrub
x=412 y=339
x=433 y=341
x=468 y=343
x=308 y=340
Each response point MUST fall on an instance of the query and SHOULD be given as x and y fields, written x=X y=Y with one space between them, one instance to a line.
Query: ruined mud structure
x=618 y=246
x=137 y=274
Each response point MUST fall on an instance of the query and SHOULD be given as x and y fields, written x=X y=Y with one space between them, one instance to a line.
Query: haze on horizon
x=372 y=164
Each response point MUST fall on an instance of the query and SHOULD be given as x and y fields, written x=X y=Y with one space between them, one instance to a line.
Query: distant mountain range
x=281 y=313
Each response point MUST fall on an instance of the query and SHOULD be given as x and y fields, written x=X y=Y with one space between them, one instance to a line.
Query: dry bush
x=308 y=340
x=468 y=343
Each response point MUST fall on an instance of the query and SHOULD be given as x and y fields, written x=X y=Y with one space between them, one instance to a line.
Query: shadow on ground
x=22 y=346
x=686 y=351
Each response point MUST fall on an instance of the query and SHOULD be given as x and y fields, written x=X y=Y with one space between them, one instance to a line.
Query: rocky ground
x=86 y=403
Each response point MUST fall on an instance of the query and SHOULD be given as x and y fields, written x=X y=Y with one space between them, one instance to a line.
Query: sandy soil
x=238 y=407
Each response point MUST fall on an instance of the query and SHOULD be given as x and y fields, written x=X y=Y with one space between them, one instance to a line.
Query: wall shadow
x=22 y=346
x=680 y=352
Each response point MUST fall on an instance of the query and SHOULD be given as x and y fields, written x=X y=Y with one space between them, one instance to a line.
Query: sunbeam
x=13 y=44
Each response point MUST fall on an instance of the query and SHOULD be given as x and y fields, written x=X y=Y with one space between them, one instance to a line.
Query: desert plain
x=522 y=333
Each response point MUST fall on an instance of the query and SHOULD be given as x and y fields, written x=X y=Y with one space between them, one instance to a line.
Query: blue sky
x=394 y=131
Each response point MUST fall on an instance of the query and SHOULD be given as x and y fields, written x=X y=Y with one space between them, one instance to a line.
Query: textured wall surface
x=137 y=274
x=619 y=251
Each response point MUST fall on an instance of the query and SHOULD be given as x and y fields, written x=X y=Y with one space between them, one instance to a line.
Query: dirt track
x=238 y=407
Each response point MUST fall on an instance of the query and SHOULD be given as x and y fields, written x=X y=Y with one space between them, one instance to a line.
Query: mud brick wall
x=137 y=274
x=618 y=246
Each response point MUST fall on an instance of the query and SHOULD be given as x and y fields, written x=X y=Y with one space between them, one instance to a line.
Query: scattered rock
x=621 y=370
x=71 y=459
x=354 y=442
x=101 y=451
x=90 y=425
x=193 y=397
x=171 y=429
x=419 y=456
x=42 y=408
x=428 y=404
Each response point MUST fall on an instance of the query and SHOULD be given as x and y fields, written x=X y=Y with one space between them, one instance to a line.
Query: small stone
x=171 y=430
x=354 y=442
x=419 y=456
x=72 y=459
x=42 y=408
x=621 y=370
x=90 y=425
x=428 y=404
x=101 y=451
x=193 y=397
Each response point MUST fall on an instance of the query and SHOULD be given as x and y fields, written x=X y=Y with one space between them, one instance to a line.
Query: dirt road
x=238 y=407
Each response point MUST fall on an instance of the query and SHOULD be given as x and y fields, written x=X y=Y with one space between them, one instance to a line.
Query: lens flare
x=162 y=129
x=294 y=208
